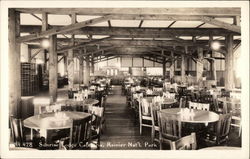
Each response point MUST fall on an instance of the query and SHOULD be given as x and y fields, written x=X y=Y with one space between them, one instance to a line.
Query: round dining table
x=53 y=121
x=221 y=148
x=198 y=116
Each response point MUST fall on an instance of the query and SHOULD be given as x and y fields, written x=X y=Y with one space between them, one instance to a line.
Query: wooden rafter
x=221 y=24
x=171 y=24
x=140 y=23
x=109 y=23
x=63 y=29
x=106 y=59
x=140 y=11
x=60 y=59
x=36 y=53
x=83 y=44
x=135 y=31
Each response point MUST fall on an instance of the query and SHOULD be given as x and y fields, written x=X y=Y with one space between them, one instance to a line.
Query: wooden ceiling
x=150 y=38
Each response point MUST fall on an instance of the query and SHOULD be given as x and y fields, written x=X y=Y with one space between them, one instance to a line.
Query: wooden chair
x=49 y=108
x=154 y=111
x=182 y=102
x=80 y=135
x=157 y=89
x=235 y=109
x=221 y=130
x=145 y=114
x=96 y=126
x=185 y=143
x=20 y=135
x=199 y=106
x=170 y=128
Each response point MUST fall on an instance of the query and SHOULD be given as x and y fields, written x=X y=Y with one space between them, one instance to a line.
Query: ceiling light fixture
x=45 y=43
x=215 y=45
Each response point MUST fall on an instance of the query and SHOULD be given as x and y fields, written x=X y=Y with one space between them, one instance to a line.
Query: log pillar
x=87 y=71
x=70 y=69
x=65 y=65
x=163 y=65
x=81 y=69
x=213 y=69
x=229 y=77
x=172 y=66
x=92 y=65
x=183 y=68
x=14 y=64
x=164 y=68
x=29 y=53
x=71 y=58
x=52 y=69
x=199 y=64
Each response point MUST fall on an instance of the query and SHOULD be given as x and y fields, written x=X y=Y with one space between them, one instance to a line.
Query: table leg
x=31 y=134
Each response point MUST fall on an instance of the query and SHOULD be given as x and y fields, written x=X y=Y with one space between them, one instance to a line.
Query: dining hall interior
x=125 y=78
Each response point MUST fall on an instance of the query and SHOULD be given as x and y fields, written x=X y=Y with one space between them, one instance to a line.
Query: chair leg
x=152 y=134
x=140 y=129
x=160 y=144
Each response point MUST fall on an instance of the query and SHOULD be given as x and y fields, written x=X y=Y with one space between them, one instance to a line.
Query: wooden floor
x=122 y=132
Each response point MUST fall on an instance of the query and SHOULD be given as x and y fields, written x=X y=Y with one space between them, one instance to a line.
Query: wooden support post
x=14 y=64
x=87 y=71
x=29 y=53
x=52 y=69
x=45 y=60
x=229 y=77
x=213 y=69
x=92 y=65
x=65 y=65
x=81 y=69
x=163 y=65
x=199 y=64
x=71 y=58
x=164 y=68
x=44 y=21
x=70 y=69
x=183 y=68
x=172 y=65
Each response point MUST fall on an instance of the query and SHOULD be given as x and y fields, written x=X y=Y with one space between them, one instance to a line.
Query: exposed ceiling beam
x=106 y=59
x=171 y=24
x=135 y=31
x=140 y=23
x=141 y=11
x=63 y=29
x=221 y=24
x=36 y=53
x=109 y=23
x=100 y=50
x=200 y=25
x=83 y=44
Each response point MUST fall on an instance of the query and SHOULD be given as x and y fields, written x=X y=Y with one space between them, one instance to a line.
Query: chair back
x=17 y=131
x=154 y=111
x=97 y=115
x=80 y=131
x=199 y=106
x=144 y=107
x=223 y=127
x=185 y=143
x=182 y=102
x=50 y=108
x=170 y=126
x=157 y=89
